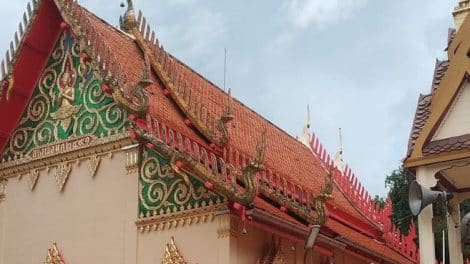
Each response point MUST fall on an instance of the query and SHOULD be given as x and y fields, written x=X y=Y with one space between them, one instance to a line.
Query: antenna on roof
x=225 y=68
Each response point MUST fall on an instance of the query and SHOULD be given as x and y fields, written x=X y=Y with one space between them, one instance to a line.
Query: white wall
x=457 y=119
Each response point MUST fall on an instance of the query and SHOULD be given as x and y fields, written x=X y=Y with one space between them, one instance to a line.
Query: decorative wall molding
x=3 y=189
x=68 y=117
x=179 y=219
x=62 y=174
x=162 y=192
x=99 y=146
x=93 y=164
x=172 y=254
x=133 y=159
x=54 y=256
x=224 y=225
x=33 y=176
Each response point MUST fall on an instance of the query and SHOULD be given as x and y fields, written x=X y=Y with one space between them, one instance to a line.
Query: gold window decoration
x=54 y=256
x=172 y=254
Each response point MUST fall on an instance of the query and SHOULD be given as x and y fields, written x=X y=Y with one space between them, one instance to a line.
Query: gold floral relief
x=62 y=174
x=162 y=192
x=3 y=189
x=54 y=256
x=33 y=176
x=93 y=164
x=172 y=254
x=68 y=103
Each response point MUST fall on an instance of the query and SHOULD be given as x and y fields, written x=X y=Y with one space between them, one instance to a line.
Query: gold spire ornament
x=460 y=13
x=54 y=256
x=128 y=21
x=172 y=254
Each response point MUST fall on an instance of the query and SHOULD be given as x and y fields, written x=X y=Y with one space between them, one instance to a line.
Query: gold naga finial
x=137 y=101
x=128 y=21
x=145 y=80
x=228 y=116
x=260 y=150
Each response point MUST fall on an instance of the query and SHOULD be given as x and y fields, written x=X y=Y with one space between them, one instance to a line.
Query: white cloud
x=304 y=13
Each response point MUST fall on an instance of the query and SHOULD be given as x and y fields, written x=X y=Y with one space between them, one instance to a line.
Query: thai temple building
x=439 y=144
x=115 y=151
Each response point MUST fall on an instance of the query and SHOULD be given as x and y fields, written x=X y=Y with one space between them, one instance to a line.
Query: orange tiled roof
x=245 y=130
x=284 y=154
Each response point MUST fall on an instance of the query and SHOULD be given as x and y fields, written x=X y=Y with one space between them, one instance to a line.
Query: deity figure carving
x=65 y=100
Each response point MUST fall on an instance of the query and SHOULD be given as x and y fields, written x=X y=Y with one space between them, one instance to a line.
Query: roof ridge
x=141 y=19
x=8 y=63
x=144 y=27
x=98 y=52
x=297 y=199
x=362 y=201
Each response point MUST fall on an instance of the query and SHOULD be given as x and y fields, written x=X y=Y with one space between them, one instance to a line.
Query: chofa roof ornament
x=127 y=21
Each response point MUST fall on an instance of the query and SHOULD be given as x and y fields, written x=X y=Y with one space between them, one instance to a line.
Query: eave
x=458 y=71
x=36 y=47
x=326 y=241
x=413 y=162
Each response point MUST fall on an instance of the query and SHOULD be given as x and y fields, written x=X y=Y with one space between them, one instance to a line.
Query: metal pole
x=444 y=245
x=444 y=233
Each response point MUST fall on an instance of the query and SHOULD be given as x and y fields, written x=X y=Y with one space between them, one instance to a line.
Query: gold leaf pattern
x=33 y=178
x=54 y=256
x=3 y=189
x=172 y=254
x=93 y=164
x=62 y=174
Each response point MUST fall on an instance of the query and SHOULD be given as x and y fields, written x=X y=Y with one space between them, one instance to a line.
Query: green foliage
x=380 y=201
x=398 y=182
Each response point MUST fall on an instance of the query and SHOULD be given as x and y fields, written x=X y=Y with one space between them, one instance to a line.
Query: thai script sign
x=62 y=147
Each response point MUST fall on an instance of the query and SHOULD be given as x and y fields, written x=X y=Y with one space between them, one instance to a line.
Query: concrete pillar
x=426 y=178
x=453 y=235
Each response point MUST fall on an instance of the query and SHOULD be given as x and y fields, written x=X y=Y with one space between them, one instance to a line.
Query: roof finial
x=305 y=137
x=460 y=13
x=339 y=155
x=128 y=21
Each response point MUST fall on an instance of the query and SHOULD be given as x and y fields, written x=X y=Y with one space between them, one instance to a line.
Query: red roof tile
x=302 y=169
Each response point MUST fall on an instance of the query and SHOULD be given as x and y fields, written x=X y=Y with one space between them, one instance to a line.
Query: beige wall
x=2 y=231
x=457 y=121
x=92 y=220
x=198 y=243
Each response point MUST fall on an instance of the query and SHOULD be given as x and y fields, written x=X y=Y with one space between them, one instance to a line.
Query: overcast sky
x=359 y=64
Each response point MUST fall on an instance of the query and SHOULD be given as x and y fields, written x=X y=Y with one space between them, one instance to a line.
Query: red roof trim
x=44 y=32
